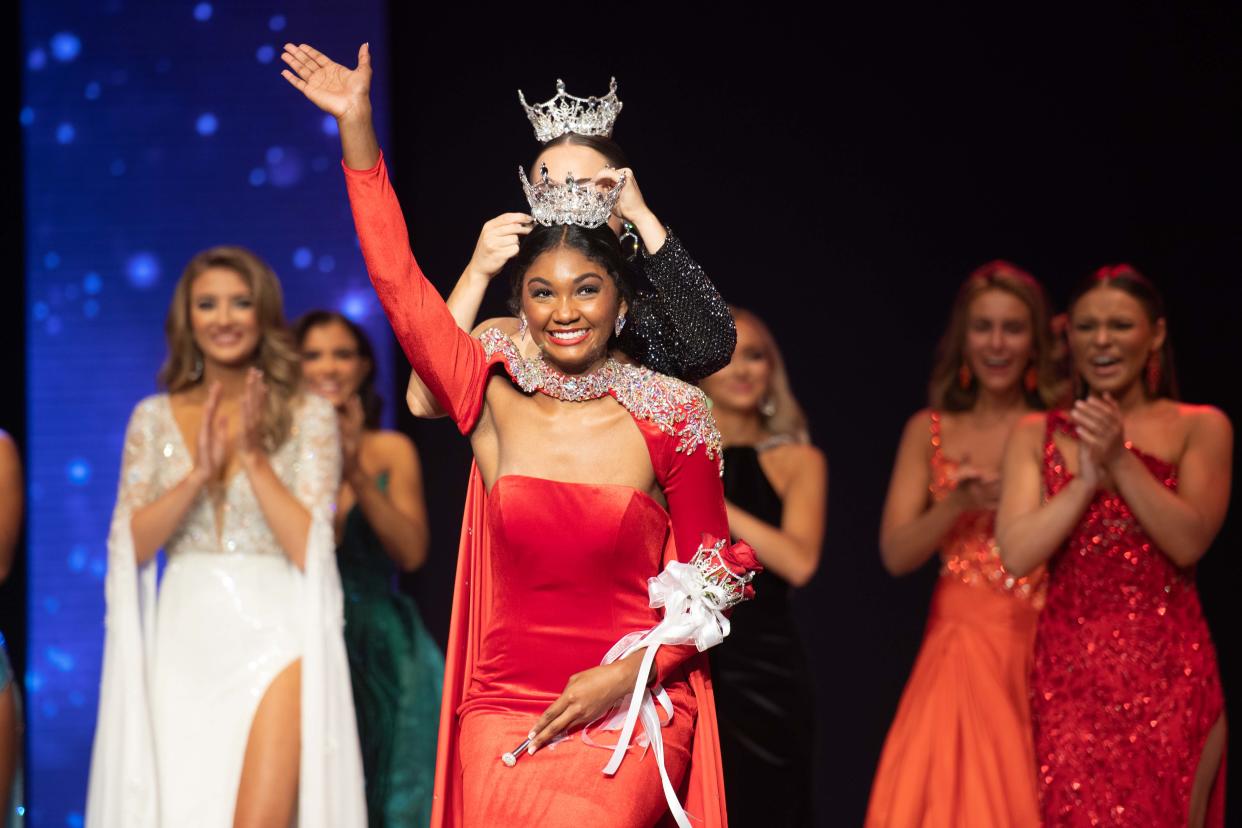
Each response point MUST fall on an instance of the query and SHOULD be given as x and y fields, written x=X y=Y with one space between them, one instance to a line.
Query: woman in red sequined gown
x=959 y=751
x=589 y=475
x=1126 y=694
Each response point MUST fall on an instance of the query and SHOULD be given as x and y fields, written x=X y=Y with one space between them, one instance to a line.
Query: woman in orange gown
x=959 y=750
x=589 y=476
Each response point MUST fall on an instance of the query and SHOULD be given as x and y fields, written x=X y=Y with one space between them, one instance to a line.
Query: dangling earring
x=768 y=407
x=964 y=377
x=197 y=373
x=1031 y=380
x=1153 y=375
x=522 y=328
x=619 y=325
x=630 y=240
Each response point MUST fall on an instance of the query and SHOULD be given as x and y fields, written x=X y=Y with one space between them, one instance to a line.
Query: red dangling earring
x=964 y=377
x=1031 y=380
x=1153 y=375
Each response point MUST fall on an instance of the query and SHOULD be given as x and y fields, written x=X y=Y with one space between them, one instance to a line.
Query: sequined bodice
x=165 y=460
x=969 y=552
x=1125 y=684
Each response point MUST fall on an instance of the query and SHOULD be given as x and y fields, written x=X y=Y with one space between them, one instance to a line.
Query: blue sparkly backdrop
x=152 y=130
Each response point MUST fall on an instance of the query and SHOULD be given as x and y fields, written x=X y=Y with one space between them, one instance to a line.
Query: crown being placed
x=567 y=113
x=573 y=202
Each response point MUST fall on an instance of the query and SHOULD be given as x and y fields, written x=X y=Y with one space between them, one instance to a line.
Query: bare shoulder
x=392 y=443
x=508 y=325
x=1029 y=428
x=10 y=457
x=1205 y=421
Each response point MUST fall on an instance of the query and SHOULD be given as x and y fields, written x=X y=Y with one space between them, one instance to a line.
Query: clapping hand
x=1101 y=436
x=213 y=439
x=976 y=490
x=253 y=403
x=351 y=422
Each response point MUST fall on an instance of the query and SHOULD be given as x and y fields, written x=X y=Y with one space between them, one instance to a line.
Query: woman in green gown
x=381 y=528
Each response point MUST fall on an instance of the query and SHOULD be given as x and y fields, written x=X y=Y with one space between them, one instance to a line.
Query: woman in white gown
x=225 y=701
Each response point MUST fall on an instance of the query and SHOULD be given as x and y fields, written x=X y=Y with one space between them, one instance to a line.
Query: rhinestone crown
x=564 y=113
x=573 y=202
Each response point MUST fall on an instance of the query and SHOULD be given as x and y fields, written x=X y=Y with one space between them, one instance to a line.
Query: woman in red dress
x=959 y=750
x=589 y=475
x=1126 y=694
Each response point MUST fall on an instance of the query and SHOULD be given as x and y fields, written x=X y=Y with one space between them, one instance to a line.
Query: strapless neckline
x=549 y=481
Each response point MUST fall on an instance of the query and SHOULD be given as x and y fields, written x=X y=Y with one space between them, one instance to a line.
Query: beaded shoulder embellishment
x=677 y=408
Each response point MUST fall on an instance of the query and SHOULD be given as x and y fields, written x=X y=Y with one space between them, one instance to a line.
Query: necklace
x=533 y=374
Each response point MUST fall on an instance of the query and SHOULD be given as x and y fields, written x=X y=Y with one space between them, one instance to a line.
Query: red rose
x=739 y=557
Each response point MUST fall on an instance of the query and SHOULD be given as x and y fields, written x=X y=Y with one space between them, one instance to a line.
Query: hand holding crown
x=339 y=91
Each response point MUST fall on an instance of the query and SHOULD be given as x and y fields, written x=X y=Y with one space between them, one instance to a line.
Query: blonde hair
x=787 y=420
x=276 y=356
x=944 y=391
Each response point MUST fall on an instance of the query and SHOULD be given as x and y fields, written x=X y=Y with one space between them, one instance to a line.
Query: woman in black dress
x=776 y=487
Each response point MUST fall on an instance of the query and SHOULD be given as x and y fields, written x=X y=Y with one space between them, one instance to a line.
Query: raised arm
x=1028 y=528
x=791 y=550
x=449 y=363
x=498 y=243
x=912 y=528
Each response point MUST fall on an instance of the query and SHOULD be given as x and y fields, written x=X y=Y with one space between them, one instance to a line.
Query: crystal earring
x=522 y=327
x=629 y=241
x=768 y=407
x=619 y=325
x=197 y=373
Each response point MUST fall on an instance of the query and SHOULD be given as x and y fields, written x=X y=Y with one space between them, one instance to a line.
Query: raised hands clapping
x=213 y=440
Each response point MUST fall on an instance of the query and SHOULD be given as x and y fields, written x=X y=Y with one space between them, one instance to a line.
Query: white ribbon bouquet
x=695 y=597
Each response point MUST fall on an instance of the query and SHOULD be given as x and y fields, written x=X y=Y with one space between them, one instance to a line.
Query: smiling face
x=999 y=340
x=745 y=382
x=571 y=305
x=223 y=317
x=332 y=367
x=1112 y=337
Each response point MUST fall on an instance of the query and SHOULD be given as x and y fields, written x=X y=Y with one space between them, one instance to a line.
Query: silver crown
x=573 y=202
x=564 y=113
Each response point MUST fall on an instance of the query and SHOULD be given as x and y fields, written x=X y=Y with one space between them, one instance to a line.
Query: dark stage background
x=840 y=176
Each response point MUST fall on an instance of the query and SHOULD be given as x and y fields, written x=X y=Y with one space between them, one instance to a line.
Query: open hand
x=329 y=85
x=498 y=243
x=213 y=439
x=587 y=696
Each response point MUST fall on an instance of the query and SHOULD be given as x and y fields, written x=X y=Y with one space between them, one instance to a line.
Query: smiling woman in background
x=233 y=472
x=381 y=528
x=959 y=750
x=1127 y=702
x=776 y=493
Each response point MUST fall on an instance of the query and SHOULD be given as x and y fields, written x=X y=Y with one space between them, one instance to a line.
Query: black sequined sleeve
x=682 y=327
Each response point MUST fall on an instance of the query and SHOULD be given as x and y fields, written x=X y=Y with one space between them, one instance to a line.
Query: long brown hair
x=275 y=355
x=787 y=419
x=372 y=402
x=1126 y=278
x=944 y=391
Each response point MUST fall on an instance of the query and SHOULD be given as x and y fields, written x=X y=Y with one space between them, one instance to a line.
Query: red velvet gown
x=1125 y=685
x=550 y=575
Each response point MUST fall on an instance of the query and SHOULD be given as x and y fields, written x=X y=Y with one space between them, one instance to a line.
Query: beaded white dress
x=185 y=669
